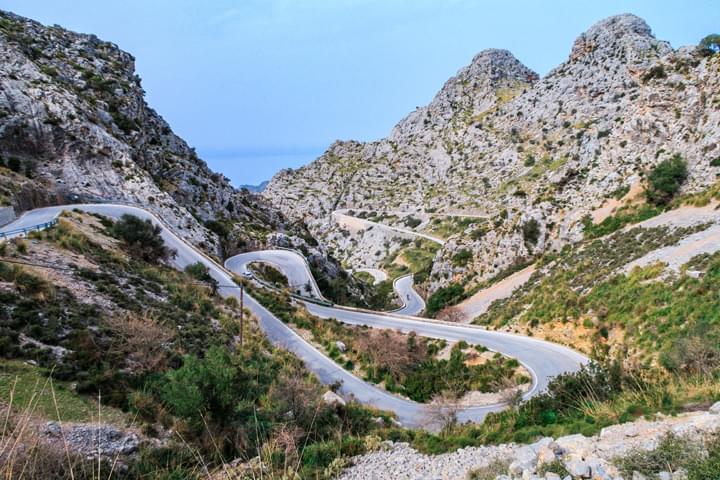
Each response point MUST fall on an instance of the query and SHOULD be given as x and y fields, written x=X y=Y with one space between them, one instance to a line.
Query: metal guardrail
x=21 y=232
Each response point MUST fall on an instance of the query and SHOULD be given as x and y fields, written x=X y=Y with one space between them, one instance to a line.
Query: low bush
x=272 y=275
x=624 y=216
x=443 y=297
x=412 y=222
x=673 y=454
x=142 y=238
x=531 y=232
x=665 y=180
x=200 y=272
x=462 y=258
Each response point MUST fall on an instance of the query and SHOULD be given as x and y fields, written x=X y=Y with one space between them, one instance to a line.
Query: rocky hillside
x=75 y=127
x=536 y=155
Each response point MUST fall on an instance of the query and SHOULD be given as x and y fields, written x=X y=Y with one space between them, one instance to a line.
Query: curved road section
x=355 y=222
x=413 y=303
x=290 y=263
x=543 y=359
x=297 y=271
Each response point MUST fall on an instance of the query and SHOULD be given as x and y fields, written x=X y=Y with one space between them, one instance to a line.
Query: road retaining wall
x=7 y=215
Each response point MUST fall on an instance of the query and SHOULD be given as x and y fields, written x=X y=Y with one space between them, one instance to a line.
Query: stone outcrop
x=582 y=457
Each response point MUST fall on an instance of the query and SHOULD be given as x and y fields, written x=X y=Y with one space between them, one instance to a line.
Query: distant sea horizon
x=253 y=168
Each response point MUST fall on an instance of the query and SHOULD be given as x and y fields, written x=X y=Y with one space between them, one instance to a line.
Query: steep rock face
x=75 y=126
x=499 y=141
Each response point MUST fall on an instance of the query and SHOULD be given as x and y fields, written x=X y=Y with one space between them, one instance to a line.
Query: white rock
x=341 y=346
x=578 y=444
x=715 y=409
x=332 y=398
x=545 y=455
x=577 y=468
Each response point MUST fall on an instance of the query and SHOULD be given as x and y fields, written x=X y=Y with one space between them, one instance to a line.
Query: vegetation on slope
x=158 y=344
x=402 y=363
x=582 y=402
x=583 y=286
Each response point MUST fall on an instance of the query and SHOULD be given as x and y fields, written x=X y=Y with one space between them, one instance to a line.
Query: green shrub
x=202 y=385
x=142 y=238
x=624 y=216
x=708 y=465
x=21 y=246
x=412 y=222
x=671 y=454
x=222 y=229
x=715 y=162
x=478 y=233
x=710 y=44
x=491 y=471
x=199 y=271
x=271 y=275
x=531 y=232
x=462 y=258
x=620 y=192
x=14 y=164
x=443 y=297
x=556 y=466
x=665 y=180
x=655 y=72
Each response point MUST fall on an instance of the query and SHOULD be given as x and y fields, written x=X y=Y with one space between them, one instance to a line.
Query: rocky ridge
x=582 y=457
x=500 y=141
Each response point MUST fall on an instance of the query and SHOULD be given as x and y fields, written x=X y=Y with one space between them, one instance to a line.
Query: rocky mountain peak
x=493 y=76
x=497 y=65
x=625 y=36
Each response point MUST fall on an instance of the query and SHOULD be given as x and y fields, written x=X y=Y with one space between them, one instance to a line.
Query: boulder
x=332 y=398
x=578 y=445
x=577 y=468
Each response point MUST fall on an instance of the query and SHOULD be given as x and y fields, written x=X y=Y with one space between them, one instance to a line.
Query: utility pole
x=242 y=314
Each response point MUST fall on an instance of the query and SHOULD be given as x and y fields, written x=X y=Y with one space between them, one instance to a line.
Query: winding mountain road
x=361 y=223
x=301 y=280
x=413 y=303
x=289 y=262
x=543 y=359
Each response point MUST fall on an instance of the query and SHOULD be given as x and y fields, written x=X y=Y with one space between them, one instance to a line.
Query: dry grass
x=26 y=453
x=685 y=393
x=142 y=339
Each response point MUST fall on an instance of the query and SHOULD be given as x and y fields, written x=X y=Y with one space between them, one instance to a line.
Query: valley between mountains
x=520 y=281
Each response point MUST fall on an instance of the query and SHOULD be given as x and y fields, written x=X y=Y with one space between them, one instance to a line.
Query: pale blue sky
x=258 y=85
